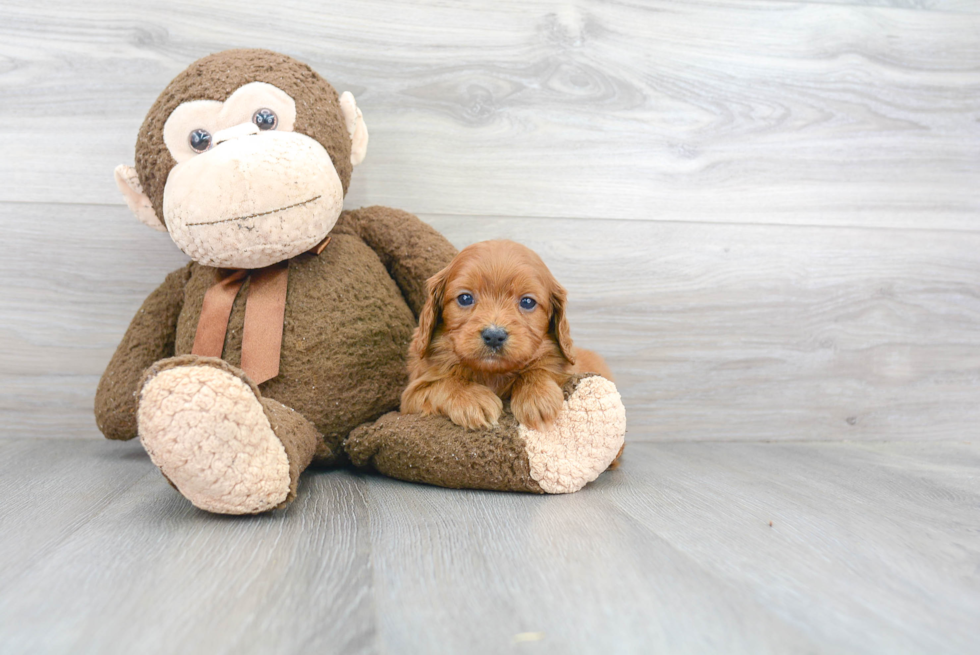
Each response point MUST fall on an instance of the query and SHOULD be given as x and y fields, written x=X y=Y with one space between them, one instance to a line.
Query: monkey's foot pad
x=207 y=432
x=583 y=441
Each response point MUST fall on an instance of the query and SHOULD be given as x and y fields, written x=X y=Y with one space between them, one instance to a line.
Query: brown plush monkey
x=285 y=339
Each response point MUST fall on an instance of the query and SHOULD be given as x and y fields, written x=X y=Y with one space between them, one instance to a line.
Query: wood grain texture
x=715 y=332
x=765 y=213
x=872 y=549
x=950 y=6
x=698 y=124
x=721 y=110
x=150 y=573
x=722 y=332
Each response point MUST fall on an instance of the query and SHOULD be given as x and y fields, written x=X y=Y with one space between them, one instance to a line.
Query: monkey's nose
x=242 y=129
x=494 y=336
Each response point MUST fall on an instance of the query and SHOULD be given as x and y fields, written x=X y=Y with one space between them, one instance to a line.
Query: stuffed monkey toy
x=284 y=341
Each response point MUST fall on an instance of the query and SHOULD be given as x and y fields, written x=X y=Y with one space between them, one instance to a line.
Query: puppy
x=493 y=328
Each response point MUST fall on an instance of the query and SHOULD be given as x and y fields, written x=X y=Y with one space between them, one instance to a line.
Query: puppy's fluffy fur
x=501 y=289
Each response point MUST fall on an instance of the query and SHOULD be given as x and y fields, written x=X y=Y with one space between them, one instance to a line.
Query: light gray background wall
x=766 y=213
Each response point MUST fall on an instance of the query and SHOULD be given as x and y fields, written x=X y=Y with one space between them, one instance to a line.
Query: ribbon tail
x=209 y=340
x=265 y=310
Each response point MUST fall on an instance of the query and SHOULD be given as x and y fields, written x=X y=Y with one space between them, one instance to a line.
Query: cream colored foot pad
x=205 y=429
x=582 y=442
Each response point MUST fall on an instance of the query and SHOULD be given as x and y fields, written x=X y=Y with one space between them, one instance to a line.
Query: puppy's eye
x=528 y=303
x=464 y=299
x=200 y=140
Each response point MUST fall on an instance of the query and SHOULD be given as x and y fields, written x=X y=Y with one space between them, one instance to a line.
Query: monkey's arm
x=411 y=250
x=149 y=338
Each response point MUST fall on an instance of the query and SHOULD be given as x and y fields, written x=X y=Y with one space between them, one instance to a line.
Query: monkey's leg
x=217 y=440
x=583 y=441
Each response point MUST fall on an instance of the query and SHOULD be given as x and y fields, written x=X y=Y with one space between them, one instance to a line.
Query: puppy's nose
x=494 y=336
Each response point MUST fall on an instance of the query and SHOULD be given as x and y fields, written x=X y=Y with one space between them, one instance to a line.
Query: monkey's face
x=247 y=191
x=245 y=159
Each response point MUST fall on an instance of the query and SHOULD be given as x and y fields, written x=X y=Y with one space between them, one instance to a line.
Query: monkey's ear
x=129 y=185
x=355 y=127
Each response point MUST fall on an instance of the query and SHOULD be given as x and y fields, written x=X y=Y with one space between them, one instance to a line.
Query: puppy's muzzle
x=494 y=337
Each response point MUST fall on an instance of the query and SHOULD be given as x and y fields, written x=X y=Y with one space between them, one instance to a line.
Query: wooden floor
x=767 y=218
x=688 y=547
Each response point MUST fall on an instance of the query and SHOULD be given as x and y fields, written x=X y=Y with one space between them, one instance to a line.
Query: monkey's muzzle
x=252 y=201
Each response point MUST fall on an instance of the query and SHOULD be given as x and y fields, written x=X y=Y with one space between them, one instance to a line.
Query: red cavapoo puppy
x=493 y=327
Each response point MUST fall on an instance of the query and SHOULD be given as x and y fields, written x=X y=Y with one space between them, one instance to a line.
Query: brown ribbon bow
x=265 y=309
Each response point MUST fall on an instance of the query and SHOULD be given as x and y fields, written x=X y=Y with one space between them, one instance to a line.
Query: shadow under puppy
x=493 y=328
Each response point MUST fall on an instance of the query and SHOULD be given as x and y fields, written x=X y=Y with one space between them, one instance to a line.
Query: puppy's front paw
x=537 y=405
x=474 y=407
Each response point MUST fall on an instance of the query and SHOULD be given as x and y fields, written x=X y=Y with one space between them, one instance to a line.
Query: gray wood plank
x=481 y=570
x=673 y=553
x=47 y=495
x=950 y=6
x=721 y=332
x=872 y=548
x=715 y=332
x=862 y=535
x=721 y=110
x=149 y=573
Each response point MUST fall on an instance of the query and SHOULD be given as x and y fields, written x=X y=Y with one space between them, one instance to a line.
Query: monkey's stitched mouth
x=271 y=211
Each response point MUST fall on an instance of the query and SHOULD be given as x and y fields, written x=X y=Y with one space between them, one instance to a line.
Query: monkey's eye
x=265 y=119
x=200 y=140
x=464 y=299
x=528 y=303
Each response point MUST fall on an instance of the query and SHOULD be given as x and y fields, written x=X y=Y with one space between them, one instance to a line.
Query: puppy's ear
x=559 y=324
x=435 y=290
